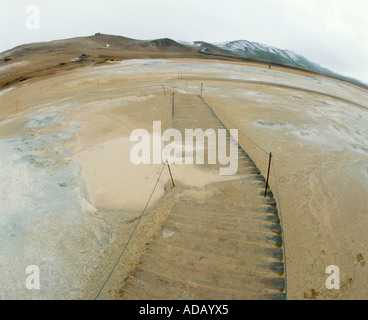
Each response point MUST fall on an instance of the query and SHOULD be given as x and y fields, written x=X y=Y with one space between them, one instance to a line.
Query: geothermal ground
x=70 y=197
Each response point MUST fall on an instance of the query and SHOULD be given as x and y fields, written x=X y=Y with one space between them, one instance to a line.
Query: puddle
x=113 y=181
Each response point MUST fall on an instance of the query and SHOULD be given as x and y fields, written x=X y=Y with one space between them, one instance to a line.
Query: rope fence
x=271 y=165
x=132 y=234
x=142 y=214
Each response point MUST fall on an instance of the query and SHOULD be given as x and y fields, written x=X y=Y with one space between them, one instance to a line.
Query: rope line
x=140 y=218
x=276 y=184
x=243 y=134
x=131 y=236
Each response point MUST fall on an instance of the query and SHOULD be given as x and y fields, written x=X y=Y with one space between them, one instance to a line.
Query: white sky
x=331 y=33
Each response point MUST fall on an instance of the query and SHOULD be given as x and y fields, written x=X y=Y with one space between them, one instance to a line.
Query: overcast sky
x=331 y=33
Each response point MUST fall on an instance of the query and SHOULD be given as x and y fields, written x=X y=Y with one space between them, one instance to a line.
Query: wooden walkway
x=221 y=242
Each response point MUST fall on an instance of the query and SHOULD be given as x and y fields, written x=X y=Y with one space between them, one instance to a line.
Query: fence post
x=172 y=106
x=164 y=89
x=172 y=180
x=268 y=174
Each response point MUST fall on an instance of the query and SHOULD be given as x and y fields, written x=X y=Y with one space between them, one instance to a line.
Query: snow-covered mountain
x=257 y=50
x=264 y=53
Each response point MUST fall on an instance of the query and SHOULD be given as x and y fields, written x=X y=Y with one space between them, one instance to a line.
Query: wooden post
x=172 y=180
x=172 y=105
x=164 y=89
x=268 y=174
x=201 y=88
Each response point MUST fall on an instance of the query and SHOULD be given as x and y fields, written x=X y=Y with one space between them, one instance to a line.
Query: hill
x=44 y=58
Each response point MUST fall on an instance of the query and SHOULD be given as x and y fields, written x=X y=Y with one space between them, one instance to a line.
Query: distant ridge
x=264 y=53
x=39 y=59
x=57 y=55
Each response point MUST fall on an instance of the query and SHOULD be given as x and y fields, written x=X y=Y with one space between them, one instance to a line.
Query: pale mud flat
x=83 y=119
x=320 y=154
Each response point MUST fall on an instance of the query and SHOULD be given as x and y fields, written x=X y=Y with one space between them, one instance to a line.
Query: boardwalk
x=220 y=241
